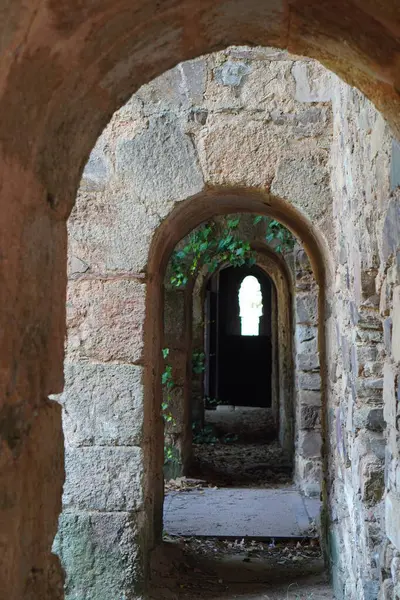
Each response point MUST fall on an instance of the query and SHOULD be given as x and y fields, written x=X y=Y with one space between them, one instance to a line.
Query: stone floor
x=237 y=513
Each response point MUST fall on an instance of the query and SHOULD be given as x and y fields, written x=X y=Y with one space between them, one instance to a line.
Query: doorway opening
x=229 y=398
x=238 y=315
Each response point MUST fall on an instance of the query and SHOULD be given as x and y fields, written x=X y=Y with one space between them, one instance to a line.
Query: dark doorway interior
x=238 y=343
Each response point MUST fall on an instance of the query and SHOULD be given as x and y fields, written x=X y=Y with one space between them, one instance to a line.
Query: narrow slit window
x=250 y=304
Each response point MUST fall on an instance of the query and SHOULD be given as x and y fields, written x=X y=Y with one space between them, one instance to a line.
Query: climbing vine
x=208 y=247
x=168 y=385
x=277 y=233
x=198 y=363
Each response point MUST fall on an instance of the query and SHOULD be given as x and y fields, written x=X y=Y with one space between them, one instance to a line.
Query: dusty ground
x=212 y=569
x=238 y=447
x=192 y=569
x=251 y=424
x=241 y=464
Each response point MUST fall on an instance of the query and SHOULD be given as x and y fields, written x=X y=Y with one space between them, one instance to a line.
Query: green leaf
x=233 y=223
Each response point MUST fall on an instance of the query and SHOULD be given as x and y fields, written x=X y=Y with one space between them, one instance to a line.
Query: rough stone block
x=385 y=556
x=194 y=79
x=366 y=354
x=370 y=389
x=372 y=480
x=97 y=170
x=103 y=479
x=306 y=123
x=308 y=347
x=313 y=82
x=176 y=407
x=111 y=232
x=389 y=397
x=306 y=336
x=370 y=589
x=310 y=417
x=265 y=80
x=368 y=443
x=310 y=177
x=373 y=370
x=386 y=590
x=387 y=334
x=164 y=94
x=309 y=381
x=396 y=324
x=391 y=228
x=105 y=319
x=307 y=361
x=159 y=165
x=103 y=404
x=369 y=418
x=392 y=518
x=100 y=554
x=221 y=151
x=395 y=568
x=369 y=336
x=309 y=444
x=231 y=72
x=310 y=397
x=308 y=475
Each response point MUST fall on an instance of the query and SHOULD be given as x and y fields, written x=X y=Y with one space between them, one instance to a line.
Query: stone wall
x=308 y=421
x=362 y=362
x=255 y=130
x=65 y=68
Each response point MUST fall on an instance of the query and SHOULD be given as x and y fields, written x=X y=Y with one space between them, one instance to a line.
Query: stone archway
x=184 y=333
x=185 y=218
x=46 y=139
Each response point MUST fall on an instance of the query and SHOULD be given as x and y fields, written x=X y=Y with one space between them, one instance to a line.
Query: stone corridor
x=169 y=161
x=153 y=156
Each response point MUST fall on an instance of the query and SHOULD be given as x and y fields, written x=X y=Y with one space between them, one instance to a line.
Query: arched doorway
x=43 y=269
x=239 y=356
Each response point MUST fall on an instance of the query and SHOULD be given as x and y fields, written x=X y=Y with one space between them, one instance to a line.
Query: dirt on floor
x=217 y=569
x=236 y=464
x=194 y=569
x=249 y=424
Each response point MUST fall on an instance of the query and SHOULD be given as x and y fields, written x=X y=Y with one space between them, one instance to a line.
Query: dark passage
x=239 y=364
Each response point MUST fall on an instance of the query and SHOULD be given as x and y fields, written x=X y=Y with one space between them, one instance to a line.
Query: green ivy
x=198 y=362
x=208 y=247
x=168 y=385
x=276 y=232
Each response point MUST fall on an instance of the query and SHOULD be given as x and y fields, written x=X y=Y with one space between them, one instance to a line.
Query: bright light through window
x=250 y=304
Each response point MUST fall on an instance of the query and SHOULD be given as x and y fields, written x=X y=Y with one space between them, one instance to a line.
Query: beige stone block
x=103 y=479
x=102 y=404
x=237 y=150
x=105 y=319
x=110 y=232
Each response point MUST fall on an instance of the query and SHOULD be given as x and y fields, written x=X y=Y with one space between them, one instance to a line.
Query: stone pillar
x=308 y=464
x=103 y=505
x=177 y=336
